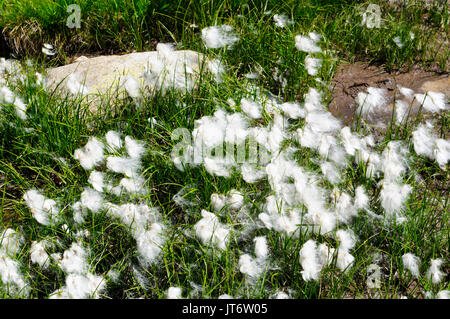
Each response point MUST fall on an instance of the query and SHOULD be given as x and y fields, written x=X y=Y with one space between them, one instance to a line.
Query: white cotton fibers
x=251 y=108
x=210 y=131
x=83 y=286
x=434 y=273
x=393 y=196
x=219 y=36
x=442 y=152
x=97 y=179
x=11 y=241
x=322 y=122
x=345 y=210
x=371 y=102
x=149 y=243
x=218 y=202
x=331 y=172
x=218 y=166
x=235 y=199
x=38 y=253
x=174 y=293
x=406 y=92
x=80 y=286
x=252 y=267
x=361 y=199
x=74 y=86
x=91 y=199
x=217 y=69
x=325 y=254
x=292 y=110
x=261 y=247
x=423 y=140
x=135 y=149
x=347 y=240
x=427 y=144
x=91 y=154
x=145 y=226
x=308 y=43
x=401 y=111
x=310 y=261
x=398 y=42
x=211 y=232
x=281 y=20
x=443 y=294
x=11 y=276
x=312 y=65
x=344 y=259
x=135 y=185
x=432 y=101
x=251 y=173
x=237 y=128
x=113 y=140
x=124 y=165
x=79 y=212
x=44 y=210
x=132 y=86
x=75 y=259
x=411 y=262
x=8 y=97
x=394 y=161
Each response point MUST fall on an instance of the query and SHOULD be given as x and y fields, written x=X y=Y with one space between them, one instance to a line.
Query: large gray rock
x=130 y=74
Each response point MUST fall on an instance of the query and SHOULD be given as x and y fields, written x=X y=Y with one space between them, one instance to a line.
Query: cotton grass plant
x=94 y=204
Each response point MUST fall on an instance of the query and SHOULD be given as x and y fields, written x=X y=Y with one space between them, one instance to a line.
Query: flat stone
x=105 y=76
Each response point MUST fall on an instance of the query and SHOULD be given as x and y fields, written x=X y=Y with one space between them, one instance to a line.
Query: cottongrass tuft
x=91 y=154
x=434 y=273
x=219 y=36
x=411 y=262
x=211 y=232
x=44 y=210
x=308 y=43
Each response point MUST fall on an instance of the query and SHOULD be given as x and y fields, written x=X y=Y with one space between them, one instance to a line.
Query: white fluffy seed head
x=432 y=101
x=411 y=262
x=308 y=43
x=261 y=247
x=135 y=149
x=309 y=261
x=251 y=108
x=211 y=232
x=11 y=241
x=312 y=65
x=281 y=20
x=346 y=239
x=219 y=36
x=91 y=199
x=44 y=210
x=434 y=273
x=174 y=293
x=96 y=179
x=113 y=140
x=38 y=253
x=361 y=198
x=372 y=101
x=91 y=154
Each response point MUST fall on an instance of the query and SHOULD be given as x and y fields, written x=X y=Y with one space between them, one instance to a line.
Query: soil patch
x=350 y=79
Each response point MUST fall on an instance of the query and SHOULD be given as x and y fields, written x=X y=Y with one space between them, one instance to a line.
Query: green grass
x=57 y=125
x=121 y=26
